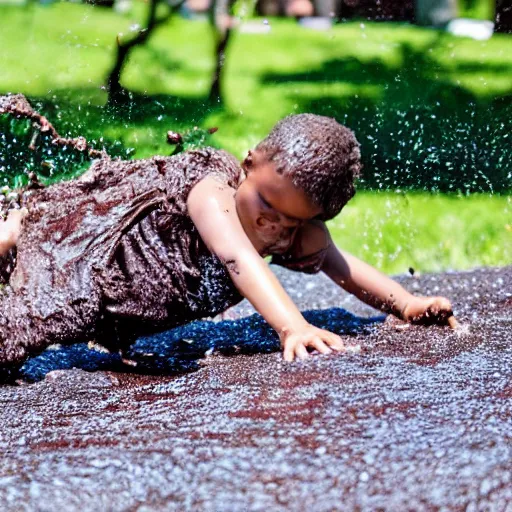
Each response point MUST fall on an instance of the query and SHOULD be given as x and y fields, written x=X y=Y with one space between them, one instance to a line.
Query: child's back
x=117 y=243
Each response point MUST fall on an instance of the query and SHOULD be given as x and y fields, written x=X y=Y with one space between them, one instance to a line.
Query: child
x=135 y=247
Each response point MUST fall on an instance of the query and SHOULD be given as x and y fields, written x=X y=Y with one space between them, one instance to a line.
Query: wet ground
x=421 y=419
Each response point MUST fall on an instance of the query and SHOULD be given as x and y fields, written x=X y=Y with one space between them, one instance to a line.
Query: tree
x=115 y=89
x=221 y=21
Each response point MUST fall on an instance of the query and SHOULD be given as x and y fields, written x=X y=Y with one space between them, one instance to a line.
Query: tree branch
x=222 y=24
x=18 y=106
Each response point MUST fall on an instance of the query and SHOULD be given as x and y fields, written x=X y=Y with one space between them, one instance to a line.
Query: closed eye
x=265 y=203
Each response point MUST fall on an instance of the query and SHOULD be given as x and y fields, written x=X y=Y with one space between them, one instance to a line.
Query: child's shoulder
x=189 y=164
x=312 y=237
x=202 y=157
x=194 y=165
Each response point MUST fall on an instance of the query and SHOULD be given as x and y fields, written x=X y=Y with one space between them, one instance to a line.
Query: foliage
x=432 y=111
x=479 y=9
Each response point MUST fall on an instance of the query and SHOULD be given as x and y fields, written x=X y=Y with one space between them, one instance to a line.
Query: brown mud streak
x=421 y=420
x=18 y=106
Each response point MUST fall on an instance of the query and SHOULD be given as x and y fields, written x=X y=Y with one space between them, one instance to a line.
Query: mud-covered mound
x=421 y=419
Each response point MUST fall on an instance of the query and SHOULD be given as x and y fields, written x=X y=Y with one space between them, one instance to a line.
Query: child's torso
x=162 y=277
x=122 y=234
x=123 y=231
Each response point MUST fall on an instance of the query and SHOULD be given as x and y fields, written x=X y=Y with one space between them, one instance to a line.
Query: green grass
x=61 y=53
x=403 y=89
x=426 y=232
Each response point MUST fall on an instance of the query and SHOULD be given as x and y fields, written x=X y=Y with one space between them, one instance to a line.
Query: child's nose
x=288 y=223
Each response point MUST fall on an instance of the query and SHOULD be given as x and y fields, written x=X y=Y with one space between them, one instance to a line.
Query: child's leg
x=30 y=321
x=10 y=230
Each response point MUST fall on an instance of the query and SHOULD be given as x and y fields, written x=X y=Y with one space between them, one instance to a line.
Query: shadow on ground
x=181 y=350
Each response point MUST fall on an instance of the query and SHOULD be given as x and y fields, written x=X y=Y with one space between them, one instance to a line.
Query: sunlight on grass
x=426 y=232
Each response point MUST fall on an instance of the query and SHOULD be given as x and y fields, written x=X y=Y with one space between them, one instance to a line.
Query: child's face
x=270 y=206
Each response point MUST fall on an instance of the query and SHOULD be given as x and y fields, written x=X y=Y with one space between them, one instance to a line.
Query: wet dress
x=114 y=255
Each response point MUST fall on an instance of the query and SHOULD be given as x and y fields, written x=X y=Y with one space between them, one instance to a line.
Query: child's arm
x=381 y=292
x=212 y=208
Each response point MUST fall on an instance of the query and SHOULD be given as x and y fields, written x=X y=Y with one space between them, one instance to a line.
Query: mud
x=421 y=419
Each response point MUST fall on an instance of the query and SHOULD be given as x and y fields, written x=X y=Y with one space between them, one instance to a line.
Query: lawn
x=432 y=113
x=396 y=232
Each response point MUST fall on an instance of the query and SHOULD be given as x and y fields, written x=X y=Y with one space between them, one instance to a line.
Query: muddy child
x=136 y=247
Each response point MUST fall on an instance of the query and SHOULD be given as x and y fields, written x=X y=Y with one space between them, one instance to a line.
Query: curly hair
x=321 y=157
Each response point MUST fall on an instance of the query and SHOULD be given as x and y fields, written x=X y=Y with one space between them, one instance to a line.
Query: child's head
x=319 y=155
x=304 y=169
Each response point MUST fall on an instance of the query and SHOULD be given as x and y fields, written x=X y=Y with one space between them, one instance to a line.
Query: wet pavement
x=421 y=419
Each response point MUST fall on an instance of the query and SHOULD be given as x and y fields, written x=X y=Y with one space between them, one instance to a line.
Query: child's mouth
x=276 y=241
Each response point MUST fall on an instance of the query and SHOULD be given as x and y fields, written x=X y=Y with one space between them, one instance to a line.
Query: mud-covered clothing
x=114 y=255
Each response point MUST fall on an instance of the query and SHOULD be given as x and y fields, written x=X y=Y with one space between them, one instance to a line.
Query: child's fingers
x=288 y=353
x=452 y=322
x=322 y=341
x=18 y=213
x=438 y=310
x=319 y=344
x=332 y=340
x=335 y=342
x=440 y=304
x=301 y=351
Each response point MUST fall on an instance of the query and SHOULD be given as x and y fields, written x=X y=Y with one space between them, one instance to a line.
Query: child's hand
x=10 y=229
x=428 y=310
x=296 y=341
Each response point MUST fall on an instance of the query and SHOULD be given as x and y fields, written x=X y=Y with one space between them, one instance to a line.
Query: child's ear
x=248 y=162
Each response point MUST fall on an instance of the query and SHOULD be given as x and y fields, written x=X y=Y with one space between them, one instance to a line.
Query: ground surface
x=420 y=420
